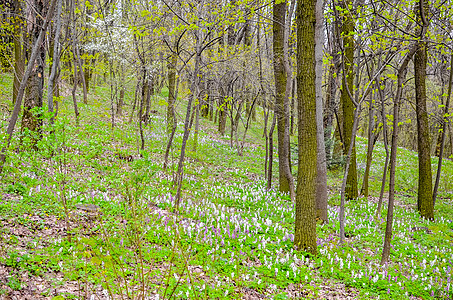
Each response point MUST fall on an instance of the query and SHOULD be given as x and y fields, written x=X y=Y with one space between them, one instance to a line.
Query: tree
x=27 y=73
x=305 y=231
x=321 y=181
x=346 y=98
x=443 y=133
x=18 y=53
x=55 y=62
x=33 y=101
x=281 y=101
x=402 y=71
x=425 y=185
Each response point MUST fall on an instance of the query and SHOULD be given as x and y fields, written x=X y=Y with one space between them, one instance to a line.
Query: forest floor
x=87 y=215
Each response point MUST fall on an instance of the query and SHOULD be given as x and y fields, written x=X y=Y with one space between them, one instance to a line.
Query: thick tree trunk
x=425 y=185
x=305 y=225
x=31 y=119
x=281 y=105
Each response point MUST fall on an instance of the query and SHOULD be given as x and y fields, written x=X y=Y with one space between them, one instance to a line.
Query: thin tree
x=321 y=180
x=55 y=62
x=387 y=152
x=402 y=71
x=443 y=130
x=193 y=88
x=347 y=99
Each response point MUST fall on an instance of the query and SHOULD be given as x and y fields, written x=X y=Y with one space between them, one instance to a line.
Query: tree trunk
x=140 y=111
x=18 y=54
x=137 y=91
x=31 y=119
x=305 y=225
x=443 y=130
x=387 y=153
x=75 y=64
x=347 y=104
x=82 y=73
x=197 y=126
x=27 y=74
x=281 y=105
x=55 y=62
x=293 y=108
x=193 y=88
x=271 y=152
x=266 y=136
x=222 y=112
x=402 y=71
x=329 y=111
x=321 y=179
x=171 y=118
x=425 y=190
x=370 y=147
x=74 y=98
x=173 y=130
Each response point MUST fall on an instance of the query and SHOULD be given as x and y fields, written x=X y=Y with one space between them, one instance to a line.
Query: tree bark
x=321 y=179
x=193 y=88
x=18 y=54
x=370 y=146
x=173 y=130
x=387 y=152
x=305 y=225
x=82 y=73
x=281 y=103
x=347 y=103
x=31 y=118
x=425 y=190
x=140 y=111
x=171 y=118
x=28 y=72
x=402 y=71
x=443 y=130
x=55 y=62
x=271 y=151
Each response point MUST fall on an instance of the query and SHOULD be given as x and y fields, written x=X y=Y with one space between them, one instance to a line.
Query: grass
x=231 y=237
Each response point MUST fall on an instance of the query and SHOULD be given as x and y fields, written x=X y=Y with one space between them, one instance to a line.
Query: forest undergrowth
x=86 y=215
